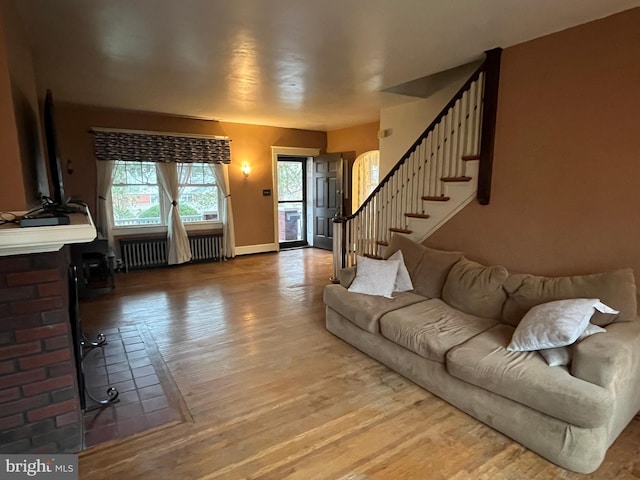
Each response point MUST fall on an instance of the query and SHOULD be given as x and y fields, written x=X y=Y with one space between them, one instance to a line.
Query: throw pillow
x=403 y=280
x=375 y=277
x=617 y=289
x=561 y=356
x=557 y=357
x=555 y=324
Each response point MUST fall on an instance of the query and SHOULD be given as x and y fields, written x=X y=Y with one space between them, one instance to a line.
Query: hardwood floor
x=272 y=395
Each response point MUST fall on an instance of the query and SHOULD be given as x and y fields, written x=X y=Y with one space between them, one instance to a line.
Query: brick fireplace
x=39 y=397
x=39 y=400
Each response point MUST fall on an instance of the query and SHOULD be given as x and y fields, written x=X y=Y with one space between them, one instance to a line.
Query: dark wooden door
x=327 y=183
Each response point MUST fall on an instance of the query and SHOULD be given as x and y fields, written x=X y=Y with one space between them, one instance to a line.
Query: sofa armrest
x=607 y=359
x=347 y=275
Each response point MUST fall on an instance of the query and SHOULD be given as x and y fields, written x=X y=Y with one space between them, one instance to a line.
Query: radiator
x=140 y=253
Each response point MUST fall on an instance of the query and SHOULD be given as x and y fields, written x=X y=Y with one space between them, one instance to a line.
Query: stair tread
x=455 y=179
x=436 y=199
x=382 y=243
x=400 y=230
x=417 y=215
x=467 y=158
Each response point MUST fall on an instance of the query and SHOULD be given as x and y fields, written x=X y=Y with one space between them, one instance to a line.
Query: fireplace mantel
x=15 y=240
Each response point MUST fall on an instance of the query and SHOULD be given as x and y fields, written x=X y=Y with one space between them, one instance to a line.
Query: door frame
x=294 y=152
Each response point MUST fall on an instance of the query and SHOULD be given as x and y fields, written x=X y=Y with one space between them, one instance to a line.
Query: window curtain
x=221 y=173
x=177 y=239
x=105 y=211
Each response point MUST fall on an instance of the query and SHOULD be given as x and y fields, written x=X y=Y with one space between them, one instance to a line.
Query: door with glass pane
x=292 y=228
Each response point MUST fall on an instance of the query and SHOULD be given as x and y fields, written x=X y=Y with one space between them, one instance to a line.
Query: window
x=199 y=198
x=137 y=199
x=135 y=194
x=366 y=176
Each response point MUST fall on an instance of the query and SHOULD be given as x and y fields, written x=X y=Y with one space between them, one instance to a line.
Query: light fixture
x=246 y=169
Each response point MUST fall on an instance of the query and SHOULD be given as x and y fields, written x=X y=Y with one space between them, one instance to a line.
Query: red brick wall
x=39 y=405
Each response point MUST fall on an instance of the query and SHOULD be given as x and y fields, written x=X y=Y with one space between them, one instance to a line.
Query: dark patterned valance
x=160 y=147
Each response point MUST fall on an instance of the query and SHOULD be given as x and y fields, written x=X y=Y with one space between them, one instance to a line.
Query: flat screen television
x=58 y=203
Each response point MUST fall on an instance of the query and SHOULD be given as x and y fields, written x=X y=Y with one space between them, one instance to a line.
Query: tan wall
x=567 y=160
x=253 y=213
x=12 y=192
x=252 y=144
x=358 y=139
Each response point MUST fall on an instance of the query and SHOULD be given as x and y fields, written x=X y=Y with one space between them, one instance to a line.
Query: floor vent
x=138 y=253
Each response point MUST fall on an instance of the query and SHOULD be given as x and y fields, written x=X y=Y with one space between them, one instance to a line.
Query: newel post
x=339 y=247
x=488 y=132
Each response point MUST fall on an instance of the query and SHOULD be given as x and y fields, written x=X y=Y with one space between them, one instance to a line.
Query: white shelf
x=16 y=240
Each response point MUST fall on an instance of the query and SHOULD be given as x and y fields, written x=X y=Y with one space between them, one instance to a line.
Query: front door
x=292 y=201
x=327 y=181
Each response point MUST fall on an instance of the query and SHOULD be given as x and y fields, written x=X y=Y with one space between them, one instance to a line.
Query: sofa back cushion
x=427 y=267
x=476 y=289
x=412 y=252
x=617 y=289
x=431 y=273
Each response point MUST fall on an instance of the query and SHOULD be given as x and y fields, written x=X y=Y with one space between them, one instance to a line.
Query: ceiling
x=314 y=64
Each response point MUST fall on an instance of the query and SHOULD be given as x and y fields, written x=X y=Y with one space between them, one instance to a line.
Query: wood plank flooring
x=272 y=395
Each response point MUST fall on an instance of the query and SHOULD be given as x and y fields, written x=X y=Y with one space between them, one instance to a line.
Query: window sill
x=137 y=230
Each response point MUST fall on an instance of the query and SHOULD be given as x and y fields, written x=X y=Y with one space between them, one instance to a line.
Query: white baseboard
x=249 y=249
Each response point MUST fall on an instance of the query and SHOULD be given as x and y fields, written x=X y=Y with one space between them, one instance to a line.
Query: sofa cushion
x=617 y=289
x=431 y=328
x=476 y=289
x=432 y=270
x=525 y=377
x=412 y=252
x=347 y=275
x=365 y=310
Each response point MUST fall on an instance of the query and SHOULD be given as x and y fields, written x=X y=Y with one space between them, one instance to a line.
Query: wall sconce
x=246 y=169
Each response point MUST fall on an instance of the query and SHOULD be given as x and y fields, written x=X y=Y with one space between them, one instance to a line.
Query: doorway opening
x=292 y=201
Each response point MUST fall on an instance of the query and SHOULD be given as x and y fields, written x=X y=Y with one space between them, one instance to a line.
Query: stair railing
x=464 y=130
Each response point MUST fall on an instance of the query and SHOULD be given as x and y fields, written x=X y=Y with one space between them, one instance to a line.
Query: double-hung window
x=138 y=201
x=199 y=198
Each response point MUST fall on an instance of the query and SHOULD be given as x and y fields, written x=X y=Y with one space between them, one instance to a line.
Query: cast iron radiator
x=137 y=253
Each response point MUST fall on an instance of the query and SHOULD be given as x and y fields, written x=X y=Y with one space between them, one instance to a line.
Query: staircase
x=447 y=167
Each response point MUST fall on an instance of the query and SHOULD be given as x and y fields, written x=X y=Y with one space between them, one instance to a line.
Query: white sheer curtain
x=221 y=172
x=104 y=219
x=177 y=239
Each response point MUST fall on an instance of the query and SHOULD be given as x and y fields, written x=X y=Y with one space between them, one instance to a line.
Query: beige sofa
x=449 y=335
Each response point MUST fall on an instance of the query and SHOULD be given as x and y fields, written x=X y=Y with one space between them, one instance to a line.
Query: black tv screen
x=53 y=156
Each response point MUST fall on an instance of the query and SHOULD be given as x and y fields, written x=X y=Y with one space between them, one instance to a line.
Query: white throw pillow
x=561 y=356
x=555 y=324
x=557 y=357
x=403 y=280
x=375 y=277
